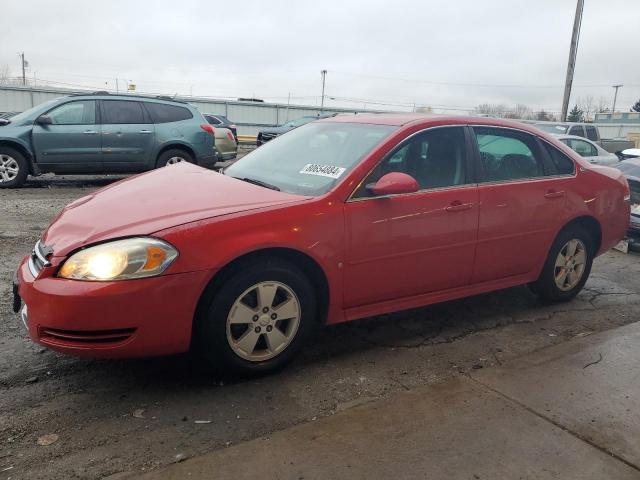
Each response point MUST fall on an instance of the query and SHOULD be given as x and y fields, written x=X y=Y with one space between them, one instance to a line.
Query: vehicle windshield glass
x=298 y=121
x=311 y=159
x=27 y=113
x=552 y=128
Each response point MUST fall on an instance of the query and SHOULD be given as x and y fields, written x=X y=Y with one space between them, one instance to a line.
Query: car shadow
x=71 y=181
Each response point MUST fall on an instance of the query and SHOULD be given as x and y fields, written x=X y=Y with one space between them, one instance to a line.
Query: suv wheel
x=173 y=156
x=13 y=168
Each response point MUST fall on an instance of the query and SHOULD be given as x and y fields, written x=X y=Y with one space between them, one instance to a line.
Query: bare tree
x=493 y=110
x=588 y=106
x=603 y=105
x=4 y=74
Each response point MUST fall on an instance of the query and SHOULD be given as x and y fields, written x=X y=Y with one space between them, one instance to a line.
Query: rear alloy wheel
x=567 y=267
x=257 y=320
x=13 y=168
x=171 y=157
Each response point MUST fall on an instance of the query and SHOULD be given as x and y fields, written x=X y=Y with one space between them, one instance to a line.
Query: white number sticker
x=322 y=170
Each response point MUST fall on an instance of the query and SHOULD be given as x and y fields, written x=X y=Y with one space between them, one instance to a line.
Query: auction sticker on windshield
x=322 y=170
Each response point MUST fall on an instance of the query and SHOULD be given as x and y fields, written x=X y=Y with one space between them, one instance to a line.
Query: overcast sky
x=454 y=54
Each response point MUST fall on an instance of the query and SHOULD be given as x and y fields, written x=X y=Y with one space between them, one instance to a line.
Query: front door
x=71 y=143
x=409 y=244
x=128 y=136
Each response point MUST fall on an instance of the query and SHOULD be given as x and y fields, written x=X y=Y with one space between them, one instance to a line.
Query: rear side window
x=564 y=165
x=122 y=111
x=576 y=130
x=592 y=133
x=161 y=113
x=213 y=120
x=74 y=113
x=508 y=154
x=582 y=147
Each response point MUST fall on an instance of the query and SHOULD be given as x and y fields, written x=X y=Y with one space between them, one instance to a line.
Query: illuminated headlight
x=635 y=209
x=120 y=260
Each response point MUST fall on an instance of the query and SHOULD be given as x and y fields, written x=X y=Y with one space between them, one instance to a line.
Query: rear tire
x=173 y=156
x=14 y=168
x=567 y=267
x=257 y=321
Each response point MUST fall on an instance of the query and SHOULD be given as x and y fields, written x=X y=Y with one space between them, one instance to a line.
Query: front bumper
x=124 y=319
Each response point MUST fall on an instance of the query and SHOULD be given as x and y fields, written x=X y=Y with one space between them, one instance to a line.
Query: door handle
x=458 y=206
x=554 y=194
x=145 y=131
x=90 y=132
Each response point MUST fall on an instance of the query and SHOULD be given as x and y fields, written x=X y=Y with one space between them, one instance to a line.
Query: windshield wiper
x=260 y=183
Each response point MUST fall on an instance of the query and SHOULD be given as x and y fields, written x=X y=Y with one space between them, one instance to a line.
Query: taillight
x=208 y=128
x=230 y=136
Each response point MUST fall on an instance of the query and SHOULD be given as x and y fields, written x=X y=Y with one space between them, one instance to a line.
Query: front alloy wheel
x=263 y=321
x=255 y=318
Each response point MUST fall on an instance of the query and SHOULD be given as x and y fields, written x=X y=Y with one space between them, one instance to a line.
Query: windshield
x=552 y=128
x=299 y=121
x=28 y=113
x=311 y=159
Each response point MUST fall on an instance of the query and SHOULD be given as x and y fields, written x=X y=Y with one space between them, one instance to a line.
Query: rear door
x=128 y=136
x=522 y=202
x=72 y=143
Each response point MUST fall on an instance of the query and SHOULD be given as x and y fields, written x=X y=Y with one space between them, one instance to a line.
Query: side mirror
x=394 y=183
x=44 y=120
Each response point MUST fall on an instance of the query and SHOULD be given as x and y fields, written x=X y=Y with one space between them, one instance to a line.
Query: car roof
x=402 y=119
x=124 y=96
x=564 y=136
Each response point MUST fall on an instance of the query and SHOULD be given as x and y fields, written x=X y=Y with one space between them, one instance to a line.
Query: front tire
x=567 y=267
x=258 y=320
x=13 y=168
x=173 y=156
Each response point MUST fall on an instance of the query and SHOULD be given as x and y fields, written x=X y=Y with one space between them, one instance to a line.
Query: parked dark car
x=631 y=170
x=102 y=133
x=222 y=121
x=270 y=133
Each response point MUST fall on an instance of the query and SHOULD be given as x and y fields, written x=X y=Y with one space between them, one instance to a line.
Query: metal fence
x=249 y=116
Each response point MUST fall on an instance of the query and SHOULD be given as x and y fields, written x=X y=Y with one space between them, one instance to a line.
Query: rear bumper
x=208 y=161
x=132 y=318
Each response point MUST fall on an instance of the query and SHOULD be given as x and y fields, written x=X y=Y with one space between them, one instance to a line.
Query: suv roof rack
x=152 y=97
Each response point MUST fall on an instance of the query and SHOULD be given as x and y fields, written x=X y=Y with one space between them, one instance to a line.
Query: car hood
x=154 y=201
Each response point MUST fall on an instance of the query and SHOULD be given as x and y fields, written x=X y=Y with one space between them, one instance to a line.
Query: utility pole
x=24 y=76
x=615 y=97
x=572 y=59
x=117 y=90
x=324 y=76
x=288 y=103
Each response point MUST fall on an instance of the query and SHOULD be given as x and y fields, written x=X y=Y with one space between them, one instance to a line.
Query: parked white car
x=591 y=151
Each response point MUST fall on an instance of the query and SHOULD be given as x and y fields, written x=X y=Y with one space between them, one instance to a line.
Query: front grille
x=85 y=336
x=38 y=259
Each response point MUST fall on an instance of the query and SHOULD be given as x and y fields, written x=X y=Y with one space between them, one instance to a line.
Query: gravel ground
x=125 y=417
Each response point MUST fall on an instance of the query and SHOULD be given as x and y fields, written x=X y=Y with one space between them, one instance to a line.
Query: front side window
x=592 y=133
x=122 y=111
x=74 y=113
x=311 y=159
x=508 y=154
x=436 y=158
x=584 y=149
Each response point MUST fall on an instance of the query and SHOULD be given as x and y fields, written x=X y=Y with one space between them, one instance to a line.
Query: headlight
x=120 y=260
x=635 y=209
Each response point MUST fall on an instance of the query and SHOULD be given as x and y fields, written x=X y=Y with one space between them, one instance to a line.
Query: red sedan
x=340 y=219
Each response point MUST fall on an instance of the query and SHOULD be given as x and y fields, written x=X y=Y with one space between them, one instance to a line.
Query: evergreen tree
x=636 y=107
x=576 y=115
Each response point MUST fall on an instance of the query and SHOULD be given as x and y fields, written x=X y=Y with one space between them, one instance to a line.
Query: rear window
x=564 y=165
x=592 y=133
x=161 y=113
